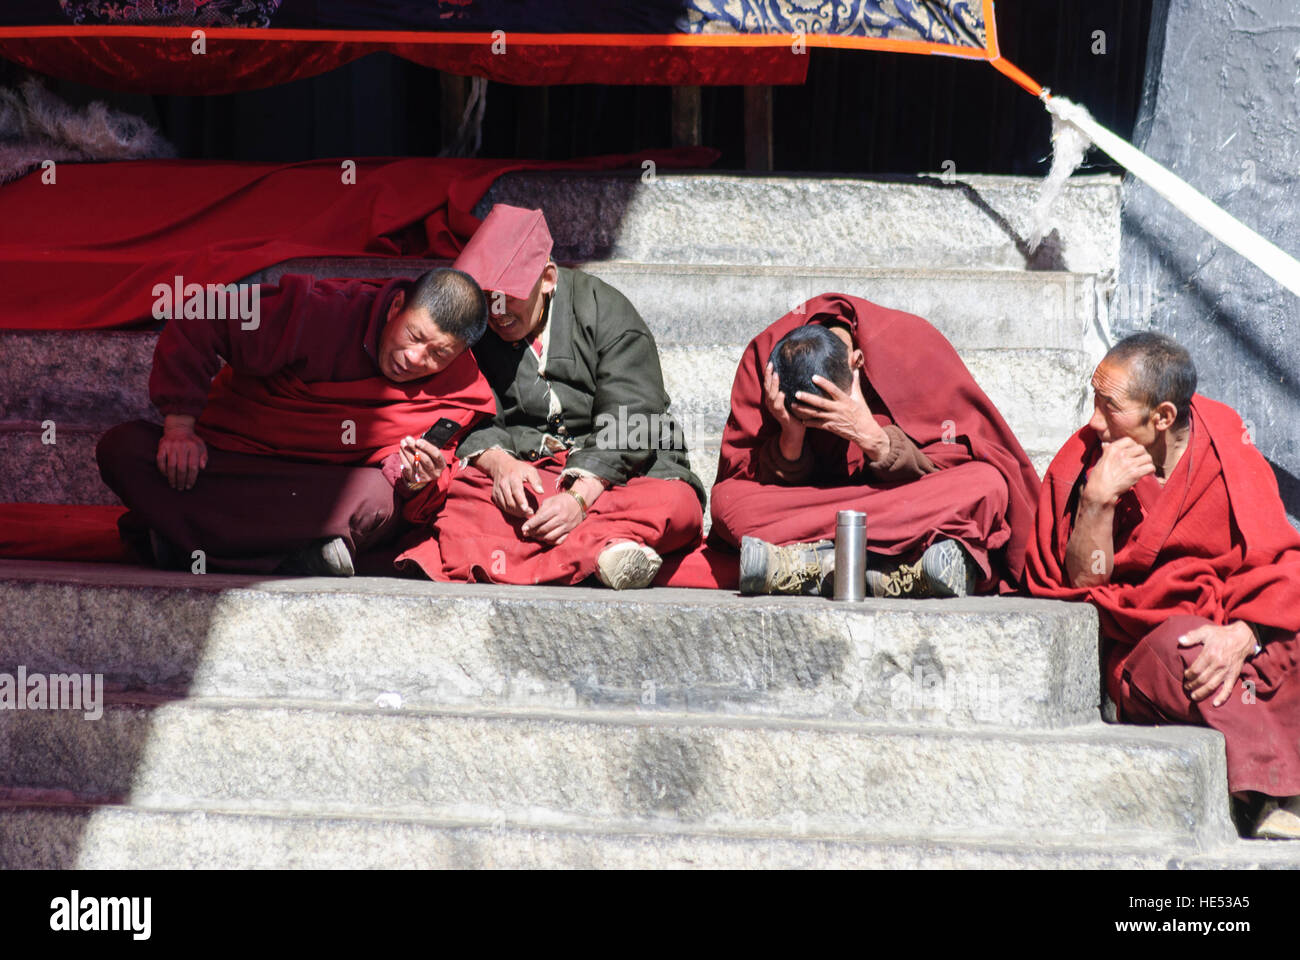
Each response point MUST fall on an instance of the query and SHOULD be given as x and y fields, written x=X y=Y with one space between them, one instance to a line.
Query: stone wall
x=1222 y=109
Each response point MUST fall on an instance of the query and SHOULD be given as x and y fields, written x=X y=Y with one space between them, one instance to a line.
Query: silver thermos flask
x=850 y=555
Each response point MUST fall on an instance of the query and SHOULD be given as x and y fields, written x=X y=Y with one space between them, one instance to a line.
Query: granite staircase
x=272 y=722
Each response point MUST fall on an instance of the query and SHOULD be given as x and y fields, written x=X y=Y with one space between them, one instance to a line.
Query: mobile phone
x=440 y=434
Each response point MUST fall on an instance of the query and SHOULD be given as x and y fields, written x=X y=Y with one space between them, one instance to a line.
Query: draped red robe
x=1212 y=546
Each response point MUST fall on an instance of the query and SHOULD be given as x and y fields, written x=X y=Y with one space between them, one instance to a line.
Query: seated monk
x=845 y=405
x=293 y=459
x=572 y=476
x=1163 y=515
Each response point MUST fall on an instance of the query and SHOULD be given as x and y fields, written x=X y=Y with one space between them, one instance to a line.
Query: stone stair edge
x=1096 y=732
x=86 y=834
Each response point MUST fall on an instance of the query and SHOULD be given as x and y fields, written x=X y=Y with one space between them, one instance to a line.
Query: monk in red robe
x=846 y=405
x=1163 y=515
x=298 y=455
x=582 y=470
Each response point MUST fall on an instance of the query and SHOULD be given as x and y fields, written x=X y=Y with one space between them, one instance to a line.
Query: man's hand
x=431 y=462
x=555 y=518
x=1219 y=665
x=512 y=479
x=792 y=431
x=181 y=452
x=843 y=414
x=1122 y=464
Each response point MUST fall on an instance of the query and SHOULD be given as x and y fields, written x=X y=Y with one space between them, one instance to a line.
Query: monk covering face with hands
x=846 y=405
x=1163 y=514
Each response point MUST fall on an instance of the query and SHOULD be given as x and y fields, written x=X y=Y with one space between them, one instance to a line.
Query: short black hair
x=1160 y=370
x=807 y=351
x=454 y=301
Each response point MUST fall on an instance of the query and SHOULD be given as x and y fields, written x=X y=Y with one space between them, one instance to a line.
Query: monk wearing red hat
x=582 y=471
x=298 y=455
x=1162 y=513
x=846 y=405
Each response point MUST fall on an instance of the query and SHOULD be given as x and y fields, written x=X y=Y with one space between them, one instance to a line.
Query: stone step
x=48 y=836
x=98 y=376
x=1044 y=395
x=906 y=222
x=701 y=304
x=990 y=661
x=740 y=775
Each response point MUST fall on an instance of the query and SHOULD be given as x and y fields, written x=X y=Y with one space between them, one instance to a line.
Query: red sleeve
x=190 y=351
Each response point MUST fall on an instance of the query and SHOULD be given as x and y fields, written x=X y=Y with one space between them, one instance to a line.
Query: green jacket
x=602 y=396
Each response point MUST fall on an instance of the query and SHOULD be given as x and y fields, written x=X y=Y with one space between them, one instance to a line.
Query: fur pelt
x=37 y=125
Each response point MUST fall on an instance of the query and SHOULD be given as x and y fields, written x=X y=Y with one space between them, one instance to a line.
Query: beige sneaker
x=1279 y=820
x=627 y=565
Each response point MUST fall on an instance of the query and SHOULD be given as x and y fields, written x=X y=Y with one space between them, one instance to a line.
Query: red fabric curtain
x=157 y=65
x=86 y=251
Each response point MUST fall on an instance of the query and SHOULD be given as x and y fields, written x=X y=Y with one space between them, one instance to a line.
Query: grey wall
x=1222 y=109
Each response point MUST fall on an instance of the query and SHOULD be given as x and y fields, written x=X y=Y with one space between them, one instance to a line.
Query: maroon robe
x=1210 y=546
x=301 y=428
x=981 y=491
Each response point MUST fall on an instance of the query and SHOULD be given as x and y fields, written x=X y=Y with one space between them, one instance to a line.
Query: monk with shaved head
x=1163 y=514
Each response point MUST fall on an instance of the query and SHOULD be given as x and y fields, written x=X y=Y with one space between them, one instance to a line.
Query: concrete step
x=701 y=304
x=1042 y=394
x=49 y=836
x=908 y=222
x=1089 y=784
x=994 y=662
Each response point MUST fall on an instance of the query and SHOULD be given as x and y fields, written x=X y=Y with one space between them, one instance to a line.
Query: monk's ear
x=399 y=301
x=856 y=360
x=1164 y=415
x=550 y=277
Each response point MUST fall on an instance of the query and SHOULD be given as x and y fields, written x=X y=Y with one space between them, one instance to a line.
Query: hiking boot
x=627 y=565
x=1279 y=819
x=328 y=558
x=949 y=569
x=800 y=569
x=944 y=570
x=895 y=578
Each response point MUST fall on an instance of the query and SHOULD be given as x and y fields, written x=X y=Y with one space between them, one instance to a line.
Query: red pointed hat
x=508 y=251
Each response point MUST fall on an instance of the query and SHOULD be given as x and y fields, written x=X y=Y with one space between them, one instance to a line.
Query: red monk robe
x=971 y=481
x=301 y=428
x=1212 y=545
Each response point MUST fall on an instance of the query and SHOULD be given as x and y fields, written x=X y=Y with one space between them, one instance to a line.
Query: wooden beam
x=454 y=95
x=758 y=128
x=686 y=116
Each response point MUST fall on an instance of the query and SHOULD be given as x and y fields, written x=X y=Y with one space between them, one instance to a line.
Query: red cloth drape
x=159 y=65
x=85 y=251
x=283 y=416
x=1216 y=544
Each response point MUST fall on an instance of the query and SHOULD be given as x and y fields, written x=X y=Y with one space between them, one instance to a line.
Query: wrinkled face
x=1114 y=413
x=511 y=318
x=412 y=346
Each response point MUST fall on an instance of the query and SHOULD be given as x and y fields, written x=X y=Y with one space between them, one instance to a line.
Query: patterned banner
x=945 y=23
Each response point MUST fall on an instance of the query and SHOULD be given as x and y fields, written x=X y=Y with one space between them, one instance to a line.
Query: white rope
x=1269 y=257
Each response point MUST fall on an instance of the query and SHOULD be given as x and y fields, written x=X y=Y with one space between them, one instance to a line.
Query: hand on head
x=844 y=413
